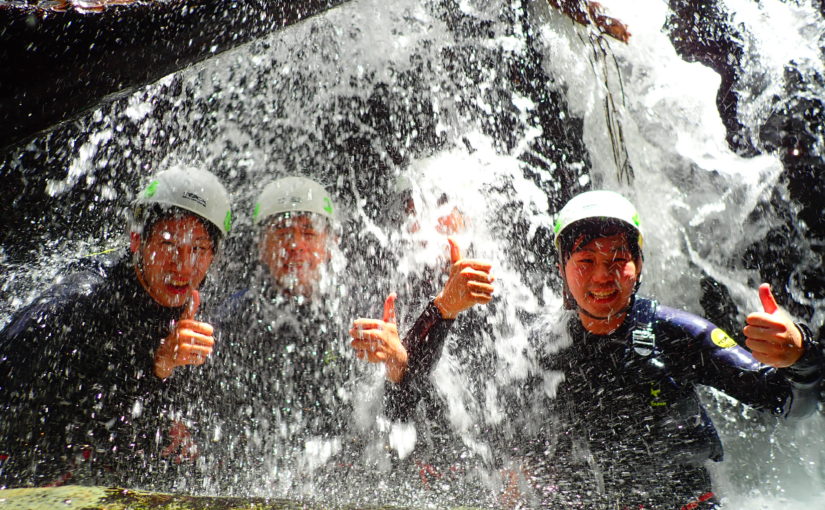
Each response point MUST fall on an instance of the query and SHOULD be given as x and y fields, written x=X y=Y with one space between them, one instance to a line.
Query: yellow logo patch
x=654 y=392
x=722 y=339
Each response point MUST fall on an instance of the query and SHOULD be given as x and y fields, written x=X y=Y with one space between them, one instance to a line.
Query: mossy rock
x=76 y=497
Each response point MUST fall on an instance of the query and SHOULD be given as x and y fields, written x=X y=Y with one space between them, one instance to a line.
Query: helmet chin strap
x=585 y=312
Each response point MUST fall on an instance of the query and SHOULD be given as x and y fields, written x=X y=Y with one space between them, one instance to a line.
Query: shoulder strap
x=642 y=337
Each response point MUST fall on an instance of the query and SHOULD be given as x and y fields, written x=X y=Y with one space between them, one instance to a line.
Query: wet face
x=449 y=223
x=601 y=277
x=173 y=259
x=295 y=249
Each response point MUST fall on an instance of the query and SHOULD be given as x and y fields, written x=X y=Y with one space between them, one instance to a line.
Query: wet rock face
x=794 y=131
x=703 y=32
x=75 y=497
x=65 y=5
x=63 y=57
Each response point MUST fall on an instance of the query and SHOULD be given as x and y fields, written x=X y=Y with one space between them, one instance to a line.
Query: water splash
x=509 y=110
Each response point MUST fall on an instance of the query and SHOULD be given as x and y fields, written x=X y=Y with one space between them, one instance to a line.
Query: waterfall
x=509 y=110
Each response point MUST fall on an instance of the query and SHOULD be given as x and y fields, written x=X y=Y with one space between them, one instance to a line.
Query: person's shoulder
x=232 y=308
x=68 y=295
x=85 y=274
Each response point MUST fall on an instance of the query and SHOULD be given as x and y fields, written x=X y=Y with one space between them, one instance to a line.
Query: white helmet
x=597 y=204
x=293 y=194
x=191 y=189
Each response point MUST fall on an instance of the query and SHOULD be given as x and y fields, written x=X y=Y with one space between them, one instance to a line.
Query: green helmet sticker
x=227 y=221
x=636 y=219
x=256 y=211
x=328 y=205
x=557 y=227
x=151 y=189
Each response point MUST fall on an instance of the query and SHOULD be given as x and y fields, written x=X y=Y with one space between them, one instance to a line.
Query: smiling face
x=173 y=259
x=601 y=276
x=294 y=249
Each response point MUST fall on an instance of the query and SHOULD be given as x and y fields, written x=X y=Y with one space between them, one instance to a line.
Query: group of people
x=116 y=369
x=106 y=373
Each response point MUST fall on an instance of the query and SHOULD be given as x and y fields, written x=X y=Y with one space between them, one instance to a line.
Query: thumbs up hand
x=772 y=336
x=377 y=341
x=189 y=343
x=469 y=283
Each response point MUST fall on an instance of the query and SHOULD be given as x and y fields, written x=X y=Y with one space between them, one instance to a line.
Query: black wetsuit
x=284 y=379
x=424 y=344
x=277 y=356
x=615 y=420
x=77 y=388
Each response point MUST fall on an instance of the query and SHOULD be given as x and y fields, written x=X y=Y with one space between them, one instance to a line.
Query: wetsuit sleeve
x=702 y=353
x=805 y=376
x=424 y=344
x=809 y=367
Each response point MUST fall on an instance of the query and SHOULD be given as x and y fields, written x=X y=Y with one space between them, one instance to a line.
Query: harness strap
x=642 y=337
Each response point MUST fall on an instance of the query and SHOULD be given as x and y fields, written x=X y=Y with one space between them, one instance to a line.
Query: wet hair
x=148 y=218
x=585 y=231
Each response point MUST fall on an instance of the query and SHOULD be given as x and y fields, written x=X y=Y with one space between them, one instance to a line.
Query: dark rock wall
x=794 y=131
x=56 y=65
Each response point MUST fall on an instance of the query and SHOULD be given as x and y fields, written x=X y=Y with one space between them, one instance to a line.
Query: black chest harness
x=642 y=337
x=681 y=416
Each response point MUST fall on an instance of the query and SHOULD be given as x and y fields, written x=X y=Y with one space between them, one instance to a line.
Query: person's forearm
x=805 y=377
x=810 y=365
x=424 y=344
x=425 y=341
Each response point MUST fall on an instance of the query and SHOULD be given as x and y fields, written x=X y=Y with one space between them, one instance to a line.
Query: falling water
x=508 y=110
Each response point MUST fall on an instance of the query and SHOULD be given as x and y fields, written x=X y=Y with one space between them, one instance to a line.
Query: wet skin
x=294 y=249
x=601 y=277
x=448 y=224
x=174 y=259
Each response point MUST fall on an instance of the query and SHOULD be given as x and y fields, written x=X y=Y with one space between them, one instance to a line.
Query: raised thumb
x=192 y=306
x=455 y=251
x=389 y=309
x=768 y=301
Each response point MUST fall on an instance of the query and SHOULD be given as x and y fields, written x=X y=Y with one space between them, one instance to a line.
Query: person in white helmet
x=282 y=370
x=281 y=360
x=623 y=425
x=85 y=367
x=295 y=220
x=457 y=284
